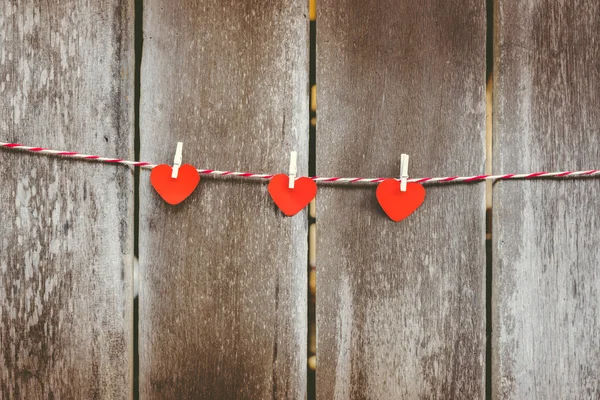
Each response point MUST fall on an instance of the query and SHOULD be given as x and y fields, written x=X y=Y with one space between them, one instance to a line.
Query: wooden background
x=223 y=275
x=66 y=228
x=546 y=282
x=401 y=308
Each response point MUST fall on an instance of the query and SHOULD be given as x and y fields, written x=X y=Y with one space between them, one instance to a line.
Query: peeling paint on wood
x=66 y=236
x=546 y=314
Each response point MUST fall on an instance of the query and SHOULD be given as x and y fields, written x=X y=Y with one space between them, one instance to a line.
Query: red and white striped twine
x=334 y=180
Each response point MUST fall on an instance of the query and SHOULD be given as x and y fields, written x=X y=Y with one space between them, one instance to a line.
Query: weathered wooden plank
x=545 y=254
x=401 y=306
x=66 y=242
x=223 y=275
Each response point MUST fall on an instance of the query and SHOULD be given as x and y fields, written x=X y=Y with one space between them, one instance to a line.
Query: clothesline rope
x=332 y=180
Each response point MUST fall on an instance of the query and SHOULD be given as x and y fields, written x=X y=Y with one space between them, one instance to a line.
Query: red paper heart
x=174 y=190
x=291 y=201
x=396 y=204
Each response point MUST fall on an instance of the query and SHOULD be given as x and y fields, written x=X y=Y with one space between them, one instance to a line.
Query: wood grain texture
x=223 y=274
x=66 y=236
x=545 y=240
x=401 y=306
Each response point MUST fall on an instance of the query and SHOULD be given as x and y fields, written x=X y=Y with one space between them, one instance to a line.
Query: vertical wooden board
x=66 y=251
x=546 y=315
x=401 y=306
x=223 y=274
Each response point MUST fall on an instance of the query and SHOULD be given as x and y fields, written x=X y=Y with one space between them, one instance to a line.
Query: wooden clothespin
x=293 y=169
x=177 y=160
x=403 y=172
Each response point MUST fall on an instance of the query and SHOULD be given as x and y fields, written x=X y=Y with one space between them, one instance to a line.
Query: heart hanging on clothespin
x=290 y=194
x=175 y=184
x=400 y=199
x=292 y=201
x=396 y=203
x=174 y=190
